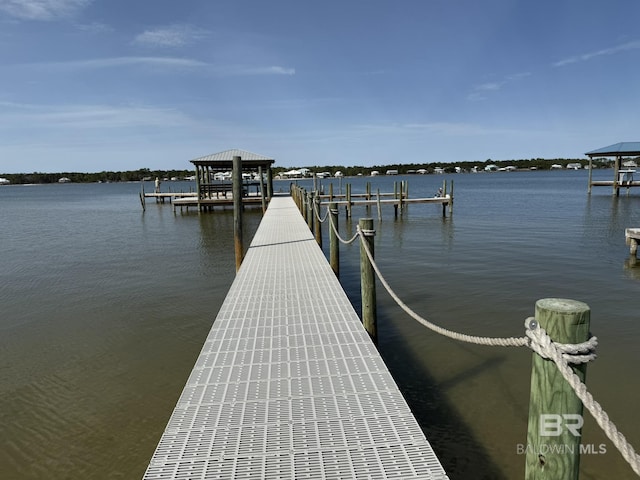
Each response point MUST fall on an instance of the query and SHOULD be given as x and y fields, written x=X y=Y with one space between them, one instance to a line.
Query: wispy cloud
x=248 y=70
x=634 y=45
x=479 y=91
x=117 y=62
x=88 y=116
x=168 y=63
x=42 y=9
x=94 y=27
x=170 y=36
x=439 y=128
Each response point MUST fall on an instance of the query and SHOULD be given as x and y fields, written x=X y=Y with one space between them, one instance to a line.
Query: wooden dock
x=288 y=384
x=632 y=237
x=192 y=201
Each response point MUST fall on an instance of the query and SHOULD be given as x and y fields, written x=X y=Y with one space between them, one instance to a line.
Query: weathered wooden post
x=368 y=280
x=444 y=194
x=451 y=199
x=368 y=197
x=317 y=223
x=379 y=205
x=334 y=244
x=348 y=187
x=555 y=411
x=262 y=192
x=331 y=192
x=237 y=209
x=269 y=183
x=309 y=209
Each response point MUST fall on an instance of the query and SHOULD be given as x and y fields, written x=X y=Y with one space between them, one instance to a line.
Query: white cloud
x=115 y=62
x=246 y=70
x=42 y=9
x=94 y=27
x=172 y=63
x=479 y=90
x=171 y=36
x=47 y=117
x=634 y=45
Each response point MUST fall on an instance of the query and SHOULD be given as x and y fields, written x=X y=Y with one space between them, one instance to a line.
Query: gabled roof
x=616 y=150
x=228 y=155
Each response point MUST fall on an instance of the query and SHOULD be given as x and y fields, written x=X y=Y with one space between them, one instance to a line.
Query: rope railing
x=537 y=339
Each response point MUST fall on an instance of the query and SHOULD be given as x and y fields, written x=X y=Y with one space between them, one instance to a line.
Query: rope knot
x=541 y=343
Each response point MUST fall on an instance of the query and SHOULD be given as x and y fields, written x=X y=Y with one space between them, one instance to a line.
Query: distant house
x=491 y=168
x=4 y=181
x=392 y=172
x=556 y=166
x=421 y=171
x=292 y=174
x=438 y=170
x=574 y=166
x=64 y=180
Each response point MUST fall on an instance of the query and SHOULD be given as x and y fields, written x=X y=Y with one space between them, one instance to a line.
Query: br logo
x=552 y=424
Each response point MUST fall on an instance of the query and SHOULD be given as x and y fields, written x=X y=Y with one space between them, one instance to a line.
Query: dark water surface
x=104 y=309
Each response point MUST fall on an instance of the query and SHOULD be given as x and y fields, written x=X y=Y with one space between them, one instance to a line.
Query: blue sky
x=92 y=85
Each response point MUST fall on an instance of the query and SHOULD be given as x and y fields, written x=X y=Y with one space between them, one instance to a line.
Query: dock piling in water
x=555 y=411
x=237 y=210
x=368 y=280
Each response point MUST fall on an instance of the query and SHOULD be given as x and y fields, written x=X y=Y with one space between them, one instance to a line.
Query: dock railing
x=558 y=334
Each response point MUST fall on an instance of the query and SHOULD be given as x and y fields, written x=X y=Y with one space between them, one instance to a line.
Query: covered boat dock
x=622 y=175
x=213 y=179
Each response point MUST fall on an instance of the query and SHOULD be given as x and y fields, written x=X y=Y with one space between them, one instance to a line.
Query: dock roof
x=224 y=160
x=617 y=150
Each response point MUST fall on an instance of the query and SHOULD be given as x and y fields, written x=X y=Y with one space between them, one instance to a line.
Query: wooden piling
x=309 y=209
x=262 y=192
x=143 y=199
x=317 y=223
x=334 y=244
x=348 y=187
x=379 y=205
x=555 y=411
x=368 y=280
x=237 y=210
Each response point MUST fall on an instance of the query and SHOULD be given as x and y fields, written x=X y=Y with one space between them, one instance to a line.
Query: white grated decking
x=288 y=384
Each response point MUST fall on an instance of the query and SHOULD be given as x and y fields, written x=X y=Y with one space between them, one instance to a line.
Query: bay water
x=104 y=309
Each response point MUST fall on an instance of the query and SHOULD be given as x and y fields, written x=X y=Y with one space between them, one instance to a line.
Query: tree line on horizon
x=143 y=174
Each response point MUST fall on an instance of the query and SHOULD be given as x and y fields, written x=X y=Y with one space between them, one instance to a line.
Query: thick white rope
x=502 y=342
x=545 y=347
x=539 y=341
x=342 y=240
x=315 y=210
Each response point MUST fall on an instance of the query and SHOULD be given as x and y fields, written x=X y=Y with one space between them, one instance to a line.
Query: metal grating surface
x=288 y=384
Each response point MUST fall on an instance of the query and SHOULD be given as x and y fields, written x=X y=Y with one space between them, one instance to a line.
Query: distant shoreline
x=146 y=174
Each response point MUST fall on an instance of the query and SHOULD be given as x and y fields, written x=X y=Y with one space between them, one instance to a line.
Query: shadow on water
x=463 y=456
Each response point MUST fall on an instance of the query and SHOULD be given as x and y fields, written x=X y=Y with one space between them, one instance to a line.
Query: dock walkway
x=288 y=384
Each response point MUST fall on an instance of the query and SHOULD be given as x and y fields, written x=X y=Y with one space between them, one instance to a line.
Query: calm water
x=105 y=308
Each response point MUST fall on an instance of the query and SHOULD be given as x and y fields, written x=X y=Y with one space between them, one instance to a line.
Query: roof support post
x=237 y=210
x=269 y=182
